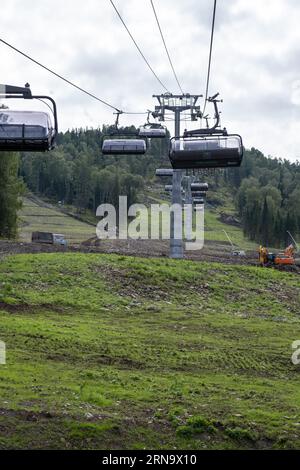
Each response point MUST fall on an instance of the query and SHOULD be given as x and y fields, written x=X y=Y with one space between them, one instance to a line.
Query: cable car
x=124 y=147
x=201 y=194
x=30 y=131
x=207 y=147
x=25 y=130
x=164 y=172
x=213 y=151
x=199 y=186
x=152 y=132
x=125 y=143
x=199 y=200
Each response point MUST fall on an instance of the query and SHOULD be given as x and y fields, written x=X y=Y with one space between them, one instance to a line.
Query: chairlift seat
x=199 y=187
x=25 y=131
x=124 y=147
x=199 y=200
x=152 y=132
x=199 y=194
x=206 y=152
x=164 y=172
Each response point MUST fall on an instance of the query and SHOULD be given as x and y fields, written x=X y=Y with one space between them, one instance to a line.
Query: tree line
x=78 y=174
x=267 y=197
x=266 y=191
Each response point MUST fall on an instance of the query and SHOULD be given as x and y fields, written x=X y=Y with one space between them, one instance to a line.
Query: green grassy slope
x=214 y=231
x=213 y=226
x=36 y=217
x=107 y=352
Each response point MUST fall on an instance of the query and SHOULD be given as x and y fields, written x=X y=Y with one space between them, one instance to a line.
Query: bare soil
x=211 y=252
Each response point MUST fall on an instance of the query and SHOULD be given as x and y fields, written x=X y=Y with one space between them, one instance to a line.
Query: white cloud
x=255 y=60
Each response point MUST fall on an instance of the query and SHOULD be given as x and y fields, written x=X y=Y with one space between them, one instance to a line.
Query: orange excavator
x=286 y=258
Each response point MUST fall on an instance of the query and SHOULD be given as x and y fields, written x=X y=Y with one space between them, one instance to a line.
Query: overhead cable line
x=61 y=77
x=210 y=53
x=165 y=46
x=137 y=46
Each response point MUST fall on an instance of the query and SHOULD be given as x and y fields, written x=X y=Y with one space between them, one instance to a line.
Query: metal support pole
x=176 y=244
x=189 y=200
x=176 y=104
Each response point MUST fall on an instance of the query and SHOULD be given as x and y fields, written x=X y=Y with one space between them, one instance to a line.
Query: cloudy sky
x=256 y=60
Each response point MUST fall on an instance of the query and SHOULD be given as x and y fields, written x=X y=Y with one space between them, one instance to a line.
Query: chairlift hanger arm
x=42 y=97
x=209 y=130
x=14 y=92
x=116 y=131
x=117 y=118
x=10 y=91
x=152 y=125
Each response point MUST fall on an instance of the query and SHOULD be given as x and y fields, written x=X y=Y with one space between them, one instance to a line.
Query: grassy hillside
x=105 y=351
x=36 y=215
x=39 y=216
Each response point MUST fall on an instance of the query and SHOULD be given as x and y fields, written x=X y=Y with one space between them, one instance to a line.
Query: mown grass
x=33 y=217
x=108 y=351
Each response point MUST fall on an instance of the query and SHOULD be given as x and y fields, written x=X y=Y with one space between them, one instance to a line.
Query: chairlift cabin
x=199 y=200
x=169 y=189
x=124 y=147
x=198 y=207
x=199 y=194
x=152 y=132
x=199 y=187
x=164 y=172
x=31 y=131
x=25 y=130
x=207 y=147
x=206 y=151
x=124 y=142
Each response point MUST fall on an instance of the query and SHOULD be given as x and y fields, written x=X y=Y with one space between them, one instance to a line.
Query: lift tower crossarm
x=177 y=103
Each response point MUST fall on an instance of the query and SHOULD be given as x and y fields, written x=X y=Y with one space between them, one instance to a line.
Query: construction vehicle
x=285 y=258
x=235 y=251
x=49 y=238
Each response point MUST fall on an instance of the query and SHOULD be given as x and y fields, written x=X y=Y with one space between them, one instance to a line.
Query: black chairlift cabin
x=207 y=148
x=198 y=200
x=124 y=147
x=152 y=130
x=201 y=194
x=199 y=186
x=30 y=131
x=125 y=143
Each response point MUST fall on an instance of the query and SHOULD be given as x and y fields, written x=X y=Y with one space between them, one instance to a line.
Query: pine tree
x=11 y=188
x=265 y=226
